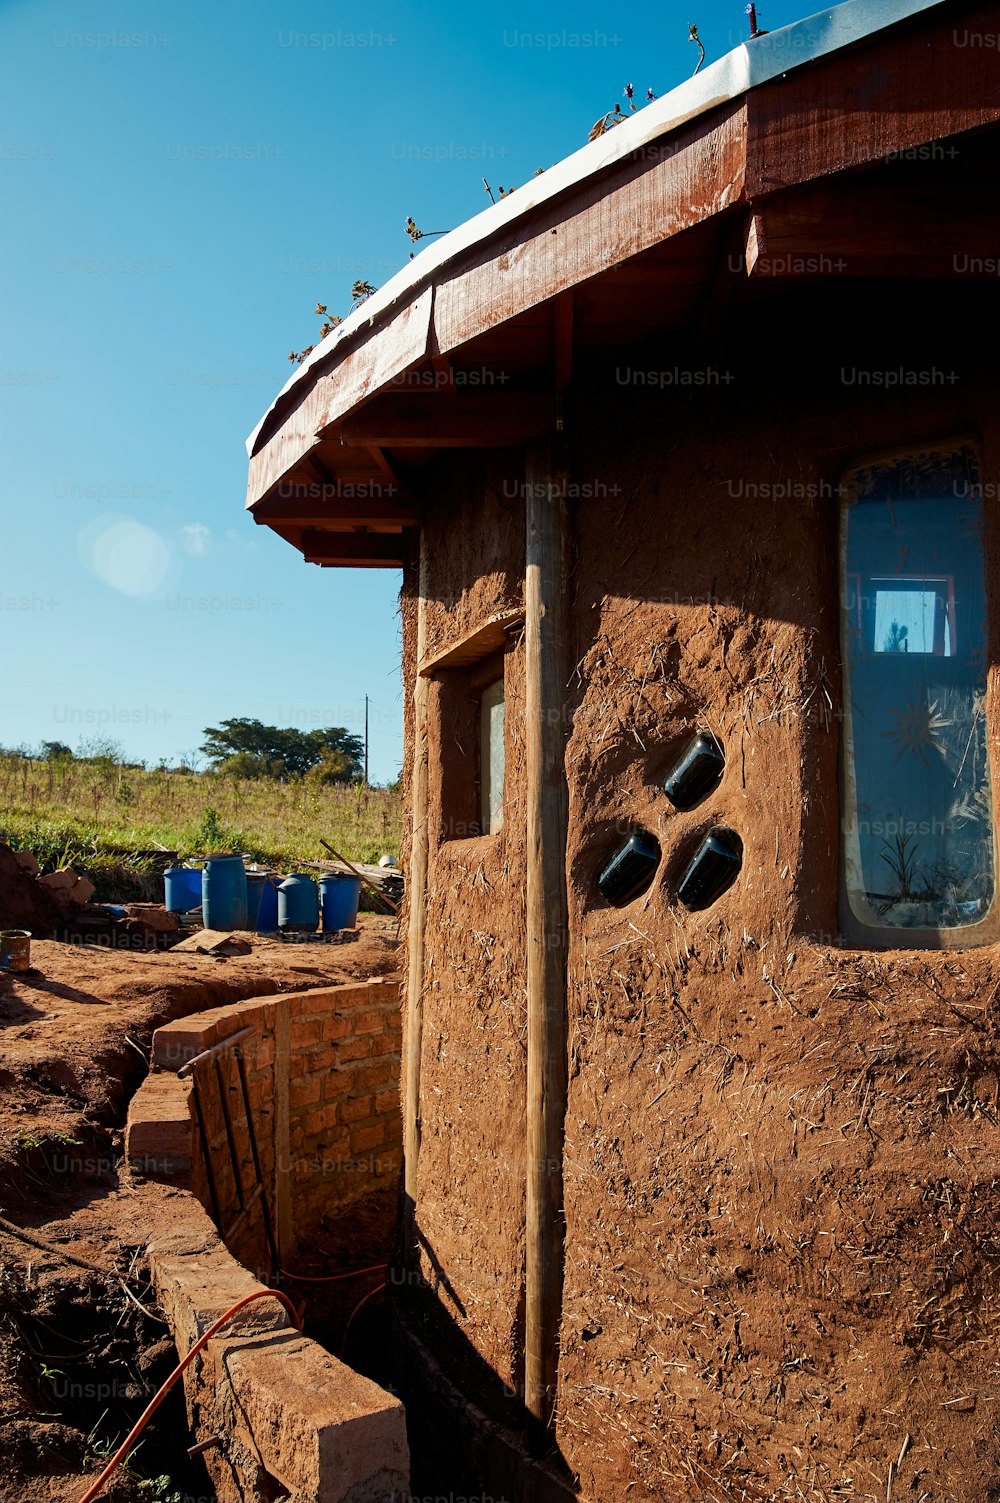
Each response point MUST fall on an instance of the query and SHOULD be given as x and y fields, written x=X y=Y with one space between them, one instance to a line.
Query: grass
x=103 y=819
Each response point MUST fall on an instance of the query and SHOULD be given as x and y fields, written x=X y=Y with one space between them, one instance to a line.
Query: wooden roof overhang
x=473 y=342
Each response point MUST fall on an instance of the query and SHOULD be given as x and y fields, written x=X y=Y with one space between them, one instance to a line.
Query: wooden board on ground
x=213 y=942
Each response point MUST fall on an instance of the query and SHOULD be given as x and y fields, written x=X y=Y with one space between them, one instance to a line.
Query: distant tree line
x=241 y=748
x=249 y=749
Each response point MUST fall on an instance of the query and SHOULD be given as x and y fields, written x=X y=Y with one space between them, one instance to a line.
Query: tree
x=333 y=767
x=251 y=749
x=55 y=751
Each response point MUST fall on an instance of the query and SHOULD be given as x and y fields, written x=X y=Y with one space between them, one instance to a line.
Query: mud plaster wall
x=474 y=956
x=781 y=1196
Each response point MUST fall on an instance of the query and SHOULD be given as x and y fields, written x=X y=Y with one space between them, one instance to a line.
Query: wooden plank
x=631 y=206
x=355 y=369
x=385 y=550
x=611 y=218
x=876 y=227
x=381 y=510
x=473 y=420
x=385 y=468
x=888 y=94
x=281 y=1196
x=546 y=676
x=488 y=637
x=756 y=243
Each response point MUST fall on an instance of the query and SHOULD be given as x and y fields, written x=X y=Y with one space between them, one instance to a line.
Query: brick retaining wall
x=322 y=1076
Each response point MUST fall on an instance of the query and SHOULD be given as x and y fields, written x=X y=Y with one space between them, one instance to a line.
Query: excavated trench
x=79 y=1358
x=78 y=1365
x=321 y=1072
x=274 y=1126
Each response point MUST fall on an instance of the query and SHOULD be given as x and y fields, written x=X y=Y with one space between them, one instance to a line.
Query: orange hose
x=161 y=1394
x=379 y=1289
x=330 y=1278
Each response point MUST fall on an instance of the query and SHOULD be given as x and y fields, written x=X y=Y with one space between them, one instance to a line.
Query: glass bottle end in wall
x=713 y=869
x=631 y=869
x=698 y=770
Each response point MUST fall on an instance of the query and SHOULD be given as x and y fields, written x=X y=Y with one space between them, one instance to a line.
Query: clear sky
x=180 y=185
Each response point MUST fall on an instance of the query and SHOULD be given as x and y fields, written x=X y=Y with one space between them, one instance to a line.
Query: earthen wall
x=780 y=1161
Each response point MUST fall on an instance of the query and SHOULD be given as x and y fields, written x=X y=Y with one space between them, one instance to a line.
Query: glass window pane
x=918 y=843
x=491 y=758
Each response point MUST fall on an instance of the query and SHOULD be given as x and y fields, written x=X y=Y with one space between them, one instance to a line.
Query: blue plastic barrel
x=224 y=893
x=267 y=915
x=256 y=882
x=298 y=903
x=181 y=888
x=340 y=894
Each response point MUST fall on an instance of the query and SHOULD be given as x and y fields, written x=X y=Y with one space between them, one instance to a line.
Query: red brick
x=363 y=1138
x=356 y=1048
x=387 y=1101
x=369 y=1022
x=308 y=1031
x=304 y=1092
x=336 y=1028
x=356 y=1109
x=338 y=1083
x=386 y=1043
x=380 y=1074
x=321 y=1121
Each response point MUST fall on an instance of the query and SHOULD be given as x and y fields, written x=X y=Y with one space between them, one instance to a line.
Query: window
x=491 y=758
x=918 y=841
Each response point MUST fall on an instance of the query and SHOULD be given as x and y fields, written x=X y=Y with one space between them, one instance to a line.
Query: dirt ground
x=79 y=1358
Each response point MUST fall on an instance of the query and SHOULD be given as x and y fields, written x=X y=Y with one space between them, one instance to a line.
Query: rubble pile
x=58 y=905
x=31 y=900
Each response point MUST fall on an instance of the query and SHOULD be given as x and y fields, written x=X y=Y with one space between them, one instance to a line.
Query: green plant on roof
x=616 y=116
x=360 y=293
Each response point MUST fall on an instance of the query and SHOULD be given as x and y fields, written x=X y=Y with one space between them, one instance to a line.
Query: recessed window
x=491 y=758
x=471 y=710
x=918 y=840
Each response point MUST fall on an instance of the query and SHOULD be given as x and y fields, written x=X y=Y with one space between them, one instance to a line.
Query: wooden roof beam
x=361 y=550
x=474 y=421
x=387 y=469
x=876 y=228
x=370 y=505
x=564 y=339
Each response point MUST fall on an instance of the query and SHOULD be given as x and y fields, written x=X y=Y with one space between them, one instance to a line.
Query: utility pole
x=366 y=740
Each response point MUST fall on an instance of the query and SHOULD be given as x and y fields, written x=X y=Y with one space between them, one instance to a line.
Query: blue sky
x=180 y=185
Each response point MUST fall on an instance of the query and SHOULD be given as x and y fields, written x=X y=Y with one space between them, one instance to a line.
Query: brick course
x=342 y=1077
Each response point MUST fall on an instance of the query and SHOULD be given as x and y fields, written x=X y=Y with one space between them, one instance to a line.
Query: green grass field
x=95 y=815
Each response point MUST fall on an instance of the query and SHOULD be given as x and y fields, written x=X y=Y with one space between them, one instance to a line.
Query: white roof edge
x=752 y=63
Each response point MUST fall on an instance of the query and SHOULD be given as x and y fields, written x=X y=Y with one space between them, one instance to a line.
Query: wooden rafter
x=476 y=420
x=373 y=550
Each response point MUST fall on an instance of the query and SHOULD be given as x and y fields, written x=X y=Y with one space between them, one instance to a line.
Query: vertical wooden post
x=282 y=1136
x=546 y=676
x=417 y=894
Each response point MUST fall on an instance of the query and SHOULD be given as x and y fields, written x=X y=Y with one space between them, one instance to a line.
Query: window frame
x=853 y=928
x=460 y=673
